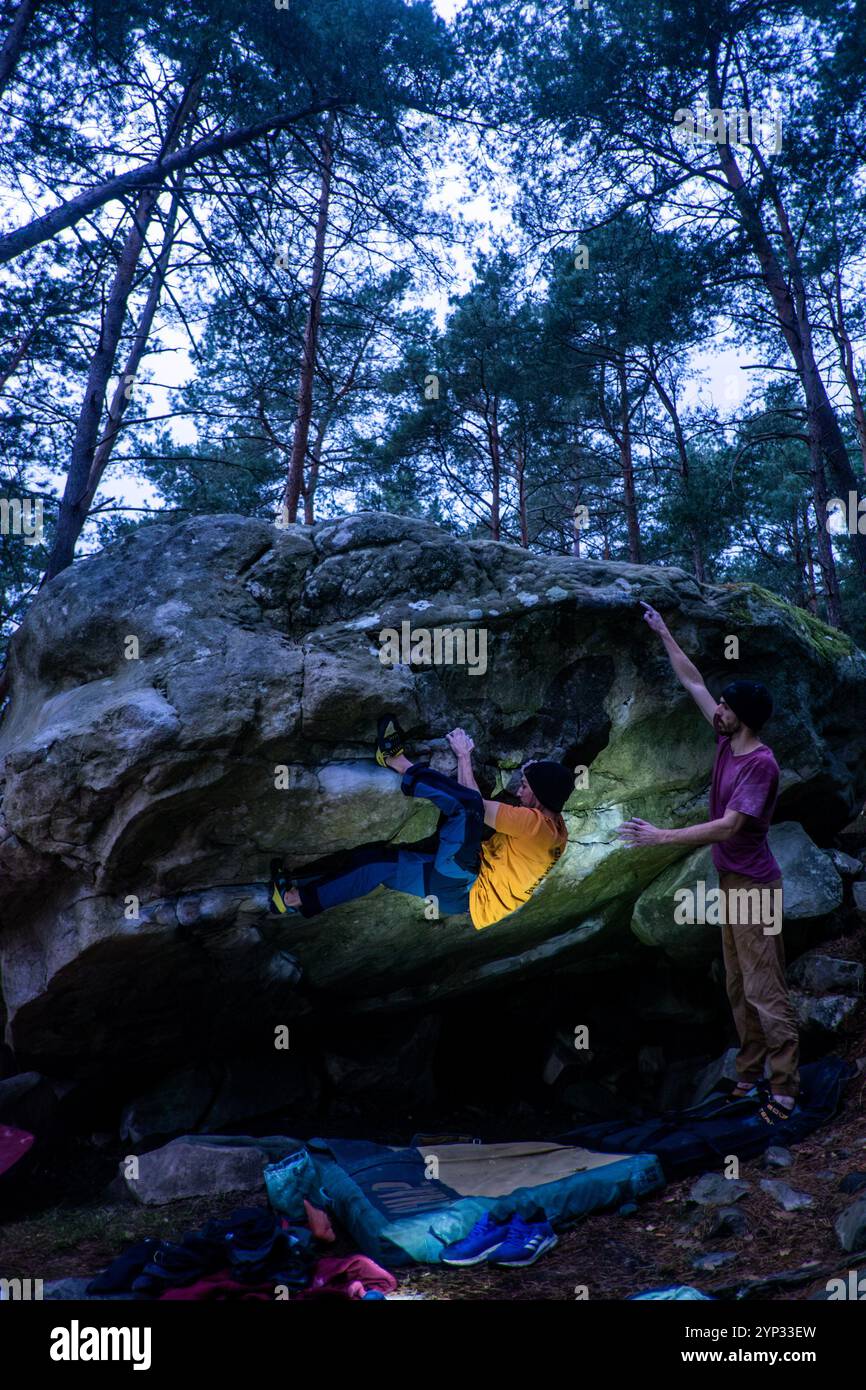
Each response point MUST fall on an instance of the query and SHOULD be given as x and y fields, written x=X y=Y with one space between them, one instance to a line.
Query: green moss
x=828 y=642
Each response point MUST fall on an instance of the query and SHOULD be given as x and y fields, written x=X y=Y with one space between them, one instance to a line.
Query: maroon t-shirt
x=748 y=783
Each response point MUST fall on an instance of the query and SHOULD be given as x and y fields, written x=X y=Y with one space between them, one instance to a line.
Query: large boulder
x=202 y=696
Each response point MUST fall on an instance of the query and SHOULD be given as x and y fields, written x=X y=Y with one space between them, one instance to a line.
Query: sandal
x=737 y=1090
x=772 y=1113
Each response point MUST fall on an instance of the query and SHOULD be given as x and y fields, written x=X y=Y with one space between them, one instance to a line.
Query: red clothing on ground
x=218 y=1286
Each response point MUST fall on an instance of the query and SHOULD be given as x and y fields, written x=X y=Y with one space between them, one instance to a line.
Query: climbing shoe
x=389 y=739
x=280 y=884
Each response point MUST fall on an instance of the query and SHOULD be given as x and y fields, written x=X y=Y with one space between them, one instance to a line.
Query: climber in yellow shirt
x=488 y=857
x=527 y=840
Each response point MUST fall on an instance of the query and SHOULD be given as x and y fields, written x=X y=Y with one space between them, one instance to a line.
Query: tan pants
x=758 y=992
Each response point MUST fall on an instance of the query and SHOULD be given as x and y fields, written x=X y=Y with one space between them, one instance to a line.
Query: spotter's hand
x=640 y=832
x=654 y=619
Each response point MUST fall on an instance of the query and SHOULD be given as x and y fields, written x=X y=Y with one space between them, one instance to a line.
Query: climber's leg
x=461 y=824
x=447 y=870
x=391 y=866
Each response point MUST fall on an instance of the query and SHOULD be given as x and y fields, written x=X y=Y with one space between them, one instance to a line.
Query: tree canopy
x=586 y=280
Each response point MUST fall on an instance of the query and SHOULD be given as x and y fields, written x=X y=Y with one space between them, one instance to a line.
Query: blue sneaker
x=525 y=1242
x=485 y=1237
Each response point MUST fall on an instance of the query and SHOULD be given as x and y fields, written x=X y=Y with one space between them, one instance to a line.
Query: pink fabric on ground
x=319 y=1222
x=350 y=1277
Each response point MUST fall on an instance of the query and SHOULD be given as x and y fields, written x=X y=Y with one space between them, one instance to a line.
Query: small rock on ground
x=787 y=1198
x=777 y=1157
x=712 y=1190
x=714 y=1260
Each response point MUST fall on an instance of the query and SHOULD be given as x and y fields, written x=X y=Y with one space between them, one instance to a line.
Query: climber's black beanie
x=552 y=783
x=751 y=702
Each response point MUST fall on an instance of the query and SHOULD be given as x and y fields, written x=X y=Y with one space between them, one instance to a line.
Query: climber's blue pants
x=446 y=870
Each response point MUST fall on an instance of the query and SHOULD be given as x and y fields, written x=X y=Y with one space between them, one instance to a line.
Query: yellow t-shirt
x=523 y=848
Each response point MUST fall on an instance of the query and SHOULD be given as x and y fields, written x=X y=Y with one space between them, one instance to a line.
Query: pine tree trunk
x=826 y=560
x=11 y=50
x=313 y=476
x=682 y=453
x=846 y=357
x=123 y=391
x=792 y=311
x=797 y=552
x=521 y=495
x=297 y=462
x=627 y=464
x=496 y=467
x=812 y=595
x=75 y=503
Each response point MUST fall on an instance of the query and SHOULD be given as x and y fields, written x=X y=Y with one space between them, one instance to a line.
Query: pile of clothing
x=252 y=1254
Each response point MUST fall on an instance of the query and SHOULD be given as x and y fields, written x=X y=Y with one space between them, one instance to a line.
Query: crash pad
x=693 y=1140
x=404 y=1205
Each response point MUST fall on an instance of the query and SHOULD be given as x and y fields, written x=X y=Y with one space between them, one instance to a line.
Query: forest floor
x=608 y=1255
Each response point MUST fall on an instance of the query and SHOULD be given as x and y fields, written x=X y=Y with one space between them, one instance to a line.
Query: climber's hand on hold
x=460 y=742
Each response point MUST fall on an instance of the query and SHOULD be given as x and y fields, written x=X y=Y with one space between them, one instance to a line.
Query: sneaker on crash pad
x=482 y=1241
x=525 y=1242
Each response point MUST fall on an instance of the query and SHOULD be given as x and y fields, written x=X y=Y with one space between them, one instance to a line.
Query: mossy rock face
x=827 y=642
x=238 y=725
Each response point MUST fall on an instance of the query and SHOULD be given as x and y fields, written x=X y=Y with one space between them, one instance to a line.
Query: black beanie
x=751 y=702
x=552 y=783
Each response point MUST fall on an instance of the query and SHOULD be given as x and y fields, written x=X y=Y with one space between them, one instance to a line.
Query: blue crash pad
x=404 y=1205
